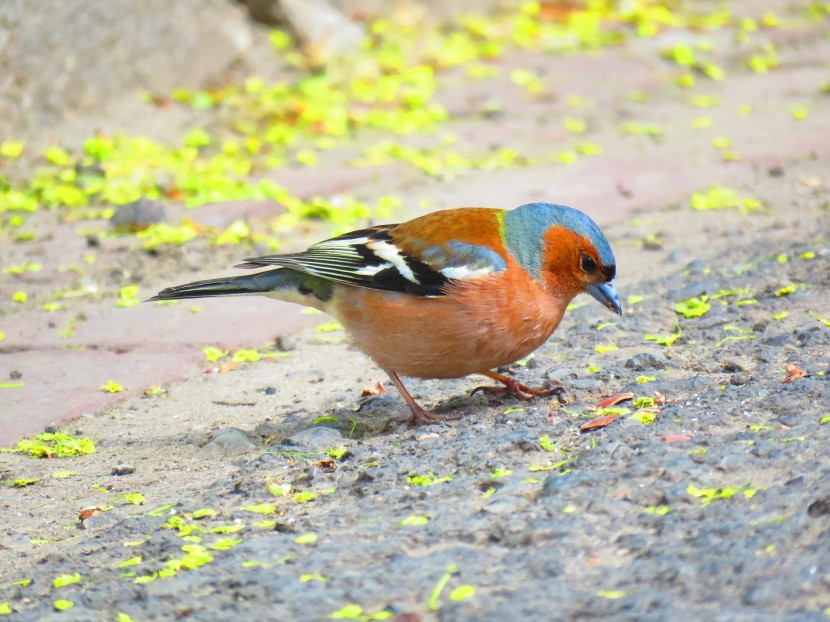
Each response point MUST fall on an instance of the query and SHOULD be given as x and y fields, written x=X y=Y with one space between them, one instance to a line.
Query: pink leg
x=515 y=388
x=419 y=415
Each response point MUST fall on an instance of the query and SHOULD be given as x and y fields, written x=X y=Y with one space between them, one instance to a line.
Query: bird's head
x=563 y=249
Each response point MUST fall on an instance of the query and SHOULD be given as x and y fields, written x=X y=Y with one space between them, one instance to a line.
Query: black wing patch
x=371 y=258
x=364 y=258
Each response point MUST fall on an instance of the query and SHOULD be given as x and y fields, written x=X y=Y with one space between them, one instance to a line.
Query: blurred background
x=148 y=143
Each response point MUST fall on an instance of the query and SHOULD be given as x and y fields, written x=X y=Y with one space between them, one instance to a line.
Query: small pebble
x=123 y=469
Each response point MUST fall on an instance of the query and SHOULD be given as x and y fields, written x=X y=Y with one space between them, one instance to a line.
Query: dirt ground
x=272 y=490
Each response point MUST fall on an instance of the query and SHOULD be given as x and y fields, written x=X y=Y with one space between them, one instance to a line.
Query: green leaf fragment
x=665 y=340
x=261 y=508
x=348 y=612
x=434 y=603
x=329 y=327
x=246 y=355
x=717 y=197
x=195 y=557
x=213 y=353
x=707 y=495
x=693 y=307
x=336 y=452
x=11 y=149
x=462 y=592
x=226 y=528
x=161 y=510
x=163 y=233
x=127 y=296
x=223 y=544
x=54 y=445
x=21 y=268
x=111 y=386
x=63 y=605
x=19 y=483
x=414 y=521
x=66 y=579
x=278 y=489
x=306 y=538
x=57 y=156
x=426 y=480
x=790 y=289
x=799 y=112
x=643 y=416
x=610 y=594
x=550 y=467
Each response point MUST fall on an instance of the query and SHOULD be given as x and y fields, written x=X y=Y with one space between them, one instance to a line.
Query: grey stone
x=228 y=443
x=98 y=522
x=730 y=366
x=317 y=438
x=811 y=333
x=647 y=361
x=562 y=374
x=62 y=58
x=137 y=215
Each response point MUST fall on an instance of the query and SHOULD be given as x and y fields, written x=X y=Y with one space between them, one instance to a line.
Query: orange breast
x=477 y=326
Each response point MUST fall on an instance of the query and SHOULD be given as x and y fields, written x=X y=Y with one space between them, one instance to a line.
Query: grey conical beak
x=606 y=295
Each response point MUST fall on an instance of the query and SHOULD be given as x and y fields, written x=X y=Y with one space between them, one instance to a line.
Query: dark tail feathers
x=260 y=283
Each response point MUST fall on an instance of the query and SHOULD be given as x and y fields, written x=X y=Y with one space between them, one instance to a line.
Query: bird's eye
x=588 y=265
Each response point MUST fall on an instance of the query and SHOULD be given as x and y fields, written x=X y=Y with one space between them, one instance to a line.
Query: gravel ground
x=274 y=490
x=718 y=509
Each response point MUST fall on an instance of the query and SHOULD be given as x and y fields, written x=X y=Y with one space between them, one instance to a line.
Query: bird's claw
x=519 y=391
x=423 y=417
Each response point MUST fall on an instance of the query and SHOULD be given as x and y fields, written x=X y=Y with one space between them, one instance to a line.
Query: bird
x=445 y=295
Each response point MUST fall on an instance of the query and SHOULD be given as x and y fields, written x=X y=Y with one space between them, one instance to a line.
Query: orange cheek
x=560 y=261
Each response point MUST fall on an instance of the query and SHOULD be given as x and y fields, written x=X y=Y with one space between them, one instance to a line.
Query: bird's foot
x=424 y=417
x=517 y=389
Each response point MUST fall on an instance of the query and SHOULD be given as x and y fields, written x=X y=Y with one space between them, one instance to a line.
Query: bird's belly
x=474 y=329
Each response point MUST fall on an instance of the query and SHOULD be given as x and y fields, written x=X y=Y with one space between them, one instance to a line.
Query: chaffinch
x=445 y=295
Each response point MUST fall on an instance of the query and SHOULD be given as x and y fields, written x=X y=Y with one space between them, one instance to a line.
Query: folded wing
x=384 y=258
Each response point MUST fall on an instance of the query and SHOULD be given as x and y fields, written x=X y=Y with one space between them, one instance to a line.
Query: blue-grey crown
x=524 y=226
